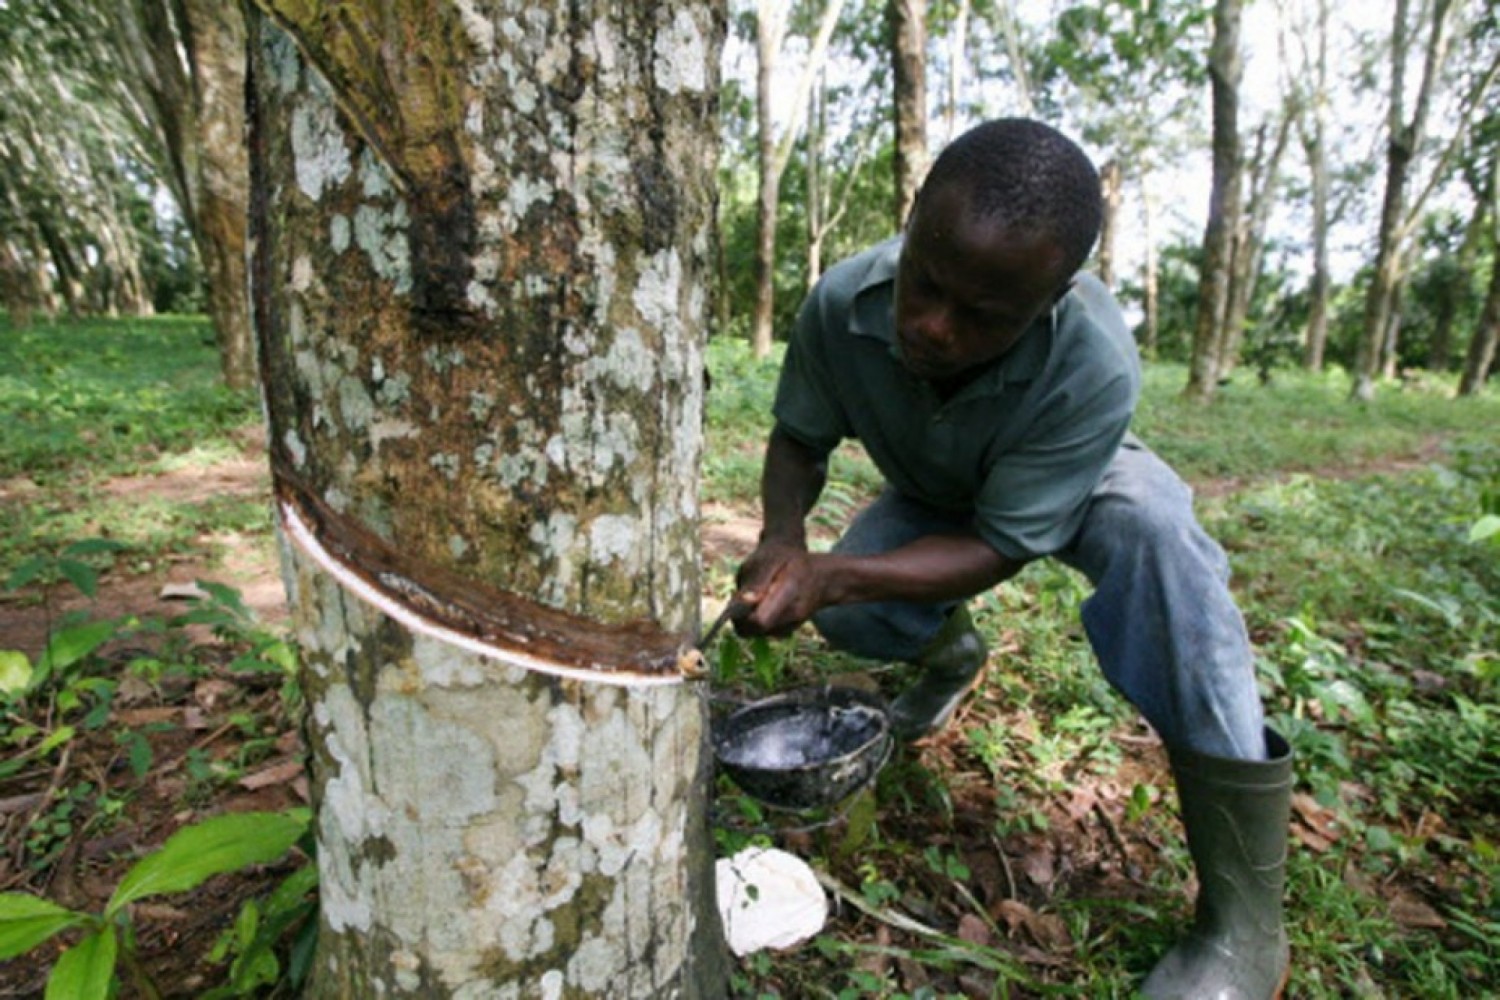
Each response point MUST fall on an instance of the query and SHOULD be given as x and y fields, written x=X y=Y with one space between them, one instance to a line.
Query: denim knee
x=879 y=630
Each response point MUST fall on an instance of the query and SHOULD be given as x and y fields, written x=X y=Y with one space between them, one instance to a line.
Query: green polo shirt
x=1021 y=447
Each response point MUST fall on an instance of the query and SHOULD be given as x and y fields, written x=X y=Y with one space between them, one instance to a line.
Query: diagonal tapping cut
x=480 y=619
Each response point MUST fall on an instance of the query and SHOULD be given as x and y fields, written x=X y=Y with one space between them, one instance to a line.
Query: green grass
x=1302 y=421
x=81 y=401
x=98 y=397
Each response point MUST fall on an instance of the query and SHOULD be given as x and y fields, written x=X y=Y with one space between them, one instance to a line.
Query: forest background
x=1302 y=220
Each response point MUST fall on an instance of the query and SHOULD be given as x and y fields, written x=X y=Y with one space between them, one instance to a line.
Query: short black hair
x=1025 y=174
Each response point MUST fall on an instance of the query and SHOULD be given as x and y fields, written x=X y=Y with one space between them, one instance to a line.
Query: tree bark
x=481 y=237
x=1150 y=280
x=958 y=60
x=1312 y=123
x=1004 y=13
x=1403 y=140
x=1112 y=182
x=773 y=154
x=1480 y=356
x=1249 y=245
x=908 y=32
x=1482 y=345
x=770 y=26
x=1225 y=67
x=217 y=43
x=181 y=76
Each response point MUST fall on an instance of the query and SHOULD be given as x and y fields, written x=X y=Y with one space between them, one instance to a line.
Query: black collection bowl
x=805 y=749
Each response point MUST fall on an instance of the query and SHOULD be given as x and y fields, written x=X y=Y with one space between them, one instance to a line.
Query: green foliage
x=258 y=931
x=189 y=858
x=95 y=397
x=1299 y=423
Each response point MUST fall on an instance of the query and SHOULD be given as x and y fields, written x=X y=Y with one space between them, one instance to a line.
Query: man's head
x=1007 y=215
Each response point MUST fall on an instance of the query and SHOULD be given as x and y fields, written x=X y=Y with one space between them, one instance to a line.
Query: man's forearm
x=934 y=568
x=791 y=482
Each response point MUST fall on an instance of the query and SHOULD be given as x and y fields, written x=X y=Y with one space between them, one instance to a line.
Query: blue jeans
x=1161 y=619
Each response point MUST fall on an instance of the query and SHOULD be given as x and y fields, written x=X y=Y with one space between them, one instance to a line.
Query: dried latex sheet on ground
x=768 y=899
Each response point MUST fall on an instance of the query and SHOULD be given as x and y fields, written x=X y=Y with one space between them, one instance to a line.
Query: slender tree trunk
x=479 y=272
x=817 y=202
x=1482 y=344
x=958 y=61
x=1009 y=30
x=1404 y=138
x=1226 y=67
x=1111 y=180
x=1391 y=344
x=907 y=21
x=1456 y=289
x=770 y=26
x=773 y=155
x=1315 y=142
x=1321 y=282
x=1249 y=249
x=1149 y=280
x=1480 y=356
x=217 y=32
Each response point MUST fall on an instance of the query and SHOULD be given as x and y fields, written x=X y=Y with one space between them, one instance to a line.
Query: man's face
x=966 y=288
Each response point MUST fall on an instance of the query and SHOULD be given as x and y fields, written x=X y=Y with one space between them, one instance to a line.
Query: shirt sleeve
x=1032 y=501
x=807 y=403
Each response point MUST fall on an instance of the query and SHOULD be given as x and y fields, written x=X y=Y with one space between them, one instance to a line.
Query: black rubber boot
x=1236 y=814
x=950 y=663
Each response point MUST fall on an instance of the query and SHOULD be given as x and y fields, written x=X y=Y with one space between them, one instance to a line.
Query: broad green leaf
x=56 y=738
x=1486 y=527
x=28 y=571
x=15 y=671
x=81 y=575
x=212 y=847
x=26 y=921
x=93 y=547
x=84 y=971
x=226 y=595
x=72 y=644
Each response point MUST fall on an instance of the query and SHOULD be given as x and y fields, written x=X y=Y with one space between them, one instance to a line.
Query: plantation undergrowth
x=1029 y=850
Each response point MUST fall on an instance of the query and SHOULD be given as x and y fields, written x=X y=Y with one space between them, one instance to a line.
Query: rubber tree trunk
x=482 y=237
x=1226 y=68
x=908 y=32
x=1112 y=181
x=217 y=31
x=770 y=28
x=1313 y=128
x=1402 y=145
x=1480 y=356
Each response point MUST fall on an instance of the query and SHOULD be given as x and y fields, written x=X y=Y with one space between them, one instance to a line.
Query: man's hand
x=783 y=585
x=780 y=578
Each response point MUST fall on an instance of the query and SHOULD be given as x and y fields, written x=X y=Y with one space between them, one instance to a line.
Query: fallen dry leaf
x=974 y=930
x=146 y=716
x=1040 y=866
x=1413 y=913
x=1317 y=827
x=275 y=774
x=211 y=692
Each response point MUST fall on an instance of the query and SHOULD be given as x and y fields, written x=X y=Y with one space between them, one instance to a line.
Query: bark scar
x=473 y=616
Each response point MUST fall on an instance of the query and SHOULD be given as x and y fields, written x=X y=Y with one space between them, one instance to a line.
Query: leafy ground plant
x=87 y=969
